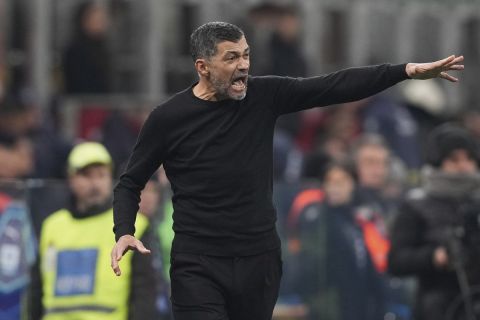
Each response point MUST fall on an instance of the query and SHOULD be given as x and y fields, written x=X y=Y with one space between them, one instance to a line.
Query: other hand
x=125 y=243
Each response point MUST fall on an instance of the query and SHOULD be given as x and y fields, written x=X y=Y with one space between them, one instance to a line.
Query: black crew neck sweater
x=218 y=157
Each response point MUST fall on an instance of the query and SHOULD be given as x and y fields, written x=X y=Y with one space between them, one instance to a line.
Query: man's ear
x=202 y=67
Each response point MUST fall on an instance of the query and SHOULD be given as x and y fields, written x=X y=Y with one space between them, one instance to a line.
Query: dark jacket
x=427 y=220
x=86 y=66
x=336 y=273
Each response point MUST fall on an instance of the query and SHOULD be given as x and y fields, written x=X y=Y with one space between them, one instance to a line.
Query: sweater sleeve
x=409 y=254
x=296 y=94
x=148 y=154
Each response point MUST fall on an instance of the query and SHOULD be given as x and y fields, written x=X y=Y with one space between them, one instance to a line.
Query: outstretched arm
x=436 y=69
x=291 y=95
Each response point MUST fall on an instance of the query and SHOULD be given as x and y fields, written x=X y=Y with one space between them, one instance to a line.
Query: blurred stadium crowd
x=73 y=71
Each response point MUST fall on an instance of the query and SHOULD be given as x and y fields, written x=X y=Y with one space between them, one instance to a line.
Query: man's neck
x=82 y=210
x=205 y=91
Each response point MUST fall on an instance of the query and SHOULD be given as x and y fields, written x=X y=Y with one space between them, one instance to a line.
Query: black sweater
x=218 y=157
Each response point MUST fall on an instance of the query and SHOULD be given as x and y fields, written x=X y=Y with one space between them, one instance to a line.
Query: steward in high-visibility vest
x=72 y=279
x=75 y=268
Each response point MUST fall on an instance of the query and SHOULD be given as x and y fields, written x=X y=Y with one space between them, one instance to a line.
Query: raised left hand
x=436 y=69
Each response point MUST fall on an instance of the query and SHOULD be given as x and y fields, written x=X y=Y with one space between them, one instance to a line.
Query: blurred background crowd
x=74 y=71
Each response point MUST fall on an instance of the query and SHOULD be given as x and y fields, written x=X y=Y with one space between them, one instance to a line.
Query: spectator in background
x=341 y=128
x=72 y=278
x=86 y=61
x=338 y=266
x=17 y=240
x=28 y=146
x=277 y=33
x=392 y=120
x=158 y=210
x=16 y=157
x=471 y=122
x=287 y=59
x=119 y=133
x=156 y=204
x=426 y=242
x=17 y=251
x=16 y=148
x=396 y=185
x=371 y=157
x=427 y=103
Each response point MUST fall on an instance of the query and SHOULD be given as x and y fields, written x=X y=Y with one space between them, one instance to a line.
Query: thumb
x=119 y=254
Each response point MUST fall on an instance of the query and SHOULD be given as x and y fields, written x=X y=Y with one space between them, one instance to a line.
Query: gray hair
x=369 y=140
x=204 y=40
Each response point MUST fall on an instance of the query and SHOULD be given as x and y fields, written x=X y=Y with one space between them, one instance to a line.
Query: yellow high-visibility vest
x=78 y=281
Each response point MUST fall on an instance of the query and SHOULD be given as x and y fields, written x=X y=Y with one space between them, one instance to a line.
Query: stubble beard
x=222 y=89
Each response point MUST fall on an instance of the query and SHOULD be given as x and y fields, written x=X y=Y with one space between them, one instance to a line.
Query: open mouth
x=239 y=83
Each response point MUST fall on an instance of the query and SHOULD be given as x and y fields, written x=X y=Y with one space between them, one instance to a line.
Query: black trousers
x=225 y=288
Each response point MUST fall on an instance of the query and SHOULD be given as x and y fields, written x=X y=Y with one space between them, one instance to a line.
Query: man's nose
x=244 y=64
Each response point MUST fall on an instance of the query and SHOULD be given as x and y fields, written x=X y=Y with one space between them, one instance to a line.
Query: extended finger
x=448 y=77
x=116 y=268
x=114 y=264
x=458 y=59
x=119 y=252
x=141 y=248
x=446 y=61
x=456 y=67
x=455 y=61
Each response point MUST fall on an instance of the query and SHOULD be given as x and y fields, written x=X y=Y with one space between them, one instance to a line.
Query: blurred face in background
x=95 y=21
x=336 y=148
x=372 y=166
x=91 y=186
x=16 y=160
x=471 y=121
x=338 y=185
x=150 y=199
x=459 y=162
x=288 y=26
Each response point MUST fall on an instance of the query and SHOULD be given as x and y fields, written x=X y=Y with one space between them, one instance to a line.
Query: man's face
x=96 y=21
x=459 y=162
x=372 y=166
x=338 y=187
x=228 y=69
x=149 y=199
x=91 y=186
